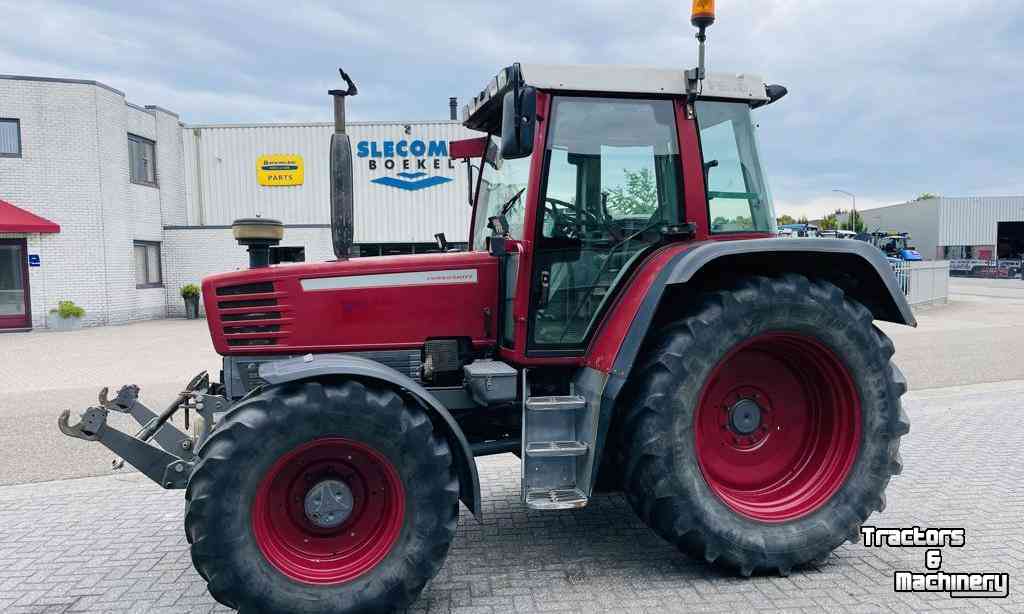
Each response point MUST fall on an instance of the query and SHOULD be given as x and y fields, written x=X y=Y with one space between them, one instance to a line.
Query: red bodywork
x=388 y=313
x=399 y=313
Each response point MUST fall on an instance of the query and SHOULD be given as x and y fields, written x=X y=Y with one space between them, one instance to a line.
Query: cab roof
x=619 y=79
x=610 y=79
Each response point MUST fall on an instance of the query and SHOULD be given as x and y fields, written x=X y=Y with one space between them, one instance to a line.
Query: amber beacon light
x=703 y=14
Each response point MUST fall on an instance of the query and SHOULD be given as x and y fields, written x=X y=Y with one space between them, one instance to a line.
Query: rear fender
x=667 y=283
x=313 y=366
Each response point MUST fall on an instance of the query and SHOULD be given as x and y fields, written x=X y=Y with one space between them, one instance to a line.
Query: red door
x=14 y=302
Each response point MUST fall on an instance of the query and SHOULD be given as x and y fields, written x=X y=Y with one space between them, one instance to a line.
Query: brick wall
x=74 y=171
x=194 y=253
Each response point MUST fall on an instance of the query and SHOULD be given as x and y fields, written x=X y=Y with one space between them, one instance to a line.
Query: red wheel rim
x=788 y=457
x=308 y=553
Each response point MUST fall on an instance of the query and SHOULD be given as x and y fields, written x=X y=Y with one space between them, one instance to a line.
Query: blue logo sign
x=34 y=260
x=412 y=158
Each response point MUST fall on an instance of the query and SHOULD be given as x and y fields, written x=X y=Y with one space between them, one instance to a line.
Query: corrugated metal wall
x=973 y=220
x=222 y=184
x=920 y=219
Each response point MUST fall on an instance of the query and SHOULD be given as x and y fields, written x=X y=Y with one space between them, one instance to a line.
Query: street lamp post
x=853 y=216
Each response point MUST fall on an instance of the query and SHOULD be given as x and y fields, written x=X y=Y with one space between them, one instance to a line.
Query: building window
x=147 y=265
x=142 y=160
x=10 y=138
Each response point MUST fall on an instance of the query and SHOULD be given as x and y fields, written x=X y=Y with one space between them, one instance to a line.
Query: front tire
x=762 y=430
x=321 y=497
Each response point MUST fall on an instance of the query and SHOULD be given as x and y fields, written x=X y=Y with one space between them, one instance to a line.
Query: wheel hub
x=328 y=511
x=329 y=503
x=778 y=426
x=745 y=417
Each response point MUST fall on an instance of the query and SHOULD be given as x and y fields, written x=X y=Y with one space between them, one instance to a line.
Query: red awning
x=15 y=219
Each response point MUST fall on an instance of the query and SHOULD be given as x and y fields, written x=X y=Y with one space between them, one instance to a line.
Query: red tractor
x=623 y=319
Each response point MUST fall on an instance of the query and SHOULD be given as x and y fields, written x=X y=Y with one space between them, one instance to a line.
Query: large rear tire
x=321 y=497
x=762 y=430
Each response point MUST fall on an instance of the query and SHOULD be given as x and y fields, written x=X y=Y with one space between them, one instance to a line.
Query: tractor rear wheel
x=762 y=430
x=317 y=497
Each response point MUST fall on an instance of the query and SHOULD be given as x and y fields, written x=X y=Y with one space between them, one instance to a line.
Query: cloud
x=887 y=100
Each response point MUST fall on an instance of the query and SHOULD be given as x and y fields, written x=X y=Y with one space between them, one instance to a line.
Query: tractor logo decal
x=412 y=159
x=392 y=280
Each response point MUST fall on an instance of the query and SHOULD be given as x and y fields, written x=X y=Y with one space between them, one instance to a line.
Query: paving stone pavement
x=116 y=544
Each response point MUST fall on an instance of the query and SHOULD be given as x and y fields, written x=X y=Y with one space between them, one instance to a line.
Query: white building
x=116 y=206
x=110 y=175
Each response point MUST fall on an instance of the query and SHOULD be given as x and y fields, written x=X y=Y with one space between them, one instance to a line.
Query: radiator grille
x=246 y=319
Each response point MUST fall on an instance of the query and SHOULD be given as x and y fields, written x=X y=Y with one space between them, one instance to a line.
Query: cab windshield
x=502 y=186
x=738 y=196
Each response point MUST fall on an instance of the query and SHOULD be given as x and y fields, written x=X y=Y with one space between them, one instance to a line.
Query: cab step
x=554 y=455
x=556 y=448
x=556 y=499
x=566 y=403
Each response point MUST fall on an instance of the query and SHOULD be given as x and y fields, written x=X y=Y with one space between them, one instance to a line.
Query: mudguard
x=312 y=366
x=627 y=326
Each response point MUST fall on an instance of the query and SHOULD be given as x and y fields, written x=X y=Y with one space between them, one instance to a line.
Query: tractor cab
x=584 y=170
x=897 y=246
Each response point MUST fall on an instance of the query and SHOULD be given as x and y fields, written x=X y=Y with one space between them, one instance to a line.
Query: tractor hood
x=360 y=304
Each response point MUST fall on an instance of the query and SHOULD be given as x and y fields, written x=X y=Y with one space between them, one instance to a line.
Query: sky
x=887 y=99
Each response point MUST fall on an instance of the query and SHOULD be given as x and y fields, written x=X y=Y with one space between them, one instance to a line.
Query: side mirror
x=518 y=122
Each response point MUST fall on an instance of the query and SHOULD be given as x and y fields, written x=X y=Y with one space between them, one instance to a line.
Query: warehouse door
x=1011 y=240
x=14 y=305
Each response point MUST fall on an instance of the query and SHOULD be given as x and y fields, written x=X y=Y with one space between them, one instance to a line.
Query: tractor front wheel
x=761 y=430
x=318 y=497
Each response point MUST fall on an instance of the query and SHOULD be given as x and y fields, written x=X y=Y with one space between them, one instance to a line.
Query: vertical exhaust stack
x=342 y=222
x=453 y=108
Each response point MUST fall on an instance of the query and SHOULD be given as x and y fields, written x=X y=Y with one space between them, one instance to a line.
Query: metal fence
x=924 y=283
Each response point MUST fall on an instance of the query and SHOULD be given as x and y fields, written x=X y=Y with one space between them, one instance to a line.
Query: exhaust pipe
x=342 y=222
x=453 y=108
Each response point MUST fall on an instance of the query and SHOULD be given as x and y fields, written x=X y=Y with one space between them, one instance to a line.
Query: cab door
x=611 y=181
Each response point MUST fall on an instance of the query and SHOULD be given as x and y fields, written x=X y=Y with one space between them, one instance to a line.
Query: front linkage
x=170 y=464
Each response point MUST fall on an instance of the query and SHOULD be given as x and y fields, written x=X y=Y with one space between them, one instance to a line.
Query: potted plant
x=190 y=293
x=67 y=316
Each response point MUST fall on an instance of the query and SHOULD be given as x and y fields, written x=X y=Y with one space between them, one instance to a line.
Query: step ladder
x=554 y=453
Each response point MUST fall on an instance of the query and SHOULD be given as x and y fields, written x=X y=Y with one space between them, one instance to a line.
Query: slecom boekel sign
x=279 y=169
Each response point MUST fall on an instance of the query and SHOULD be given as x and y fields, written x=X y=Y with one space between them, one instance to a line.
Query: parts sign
x=279 y=169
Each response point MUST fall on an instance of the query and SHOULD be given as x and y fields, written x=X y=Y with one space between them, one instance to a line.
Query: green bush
x=68 y=309
x=189 y=290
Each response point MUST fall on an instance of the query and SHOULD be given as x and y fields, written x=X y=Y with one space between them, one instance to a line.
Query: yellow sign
x=279 y=169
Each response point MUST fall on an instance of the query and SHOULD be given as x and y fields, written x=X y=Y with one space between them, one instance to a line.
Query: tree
x=830 y=222
x=926 y=196
x=840 y=220
x=785 y=219
x=858 y=223
x=638 y=197
x=803 y=220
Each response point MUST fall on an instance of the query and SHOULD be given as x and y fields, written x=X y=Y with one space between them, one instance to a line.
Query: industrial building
x=116 y=206
x=980 y=228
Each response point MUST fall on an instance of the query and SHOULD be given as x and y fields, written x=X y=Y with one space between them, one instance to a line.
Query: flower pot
x=191 y=307
x=55 y=322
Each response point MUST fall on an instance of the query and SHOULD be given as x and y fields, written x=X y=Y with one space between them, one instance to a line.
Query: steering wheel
x=566 y=225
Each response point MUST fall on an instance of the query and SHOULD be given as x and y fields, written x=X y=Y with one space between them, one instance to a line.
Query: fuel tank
x=380 y=303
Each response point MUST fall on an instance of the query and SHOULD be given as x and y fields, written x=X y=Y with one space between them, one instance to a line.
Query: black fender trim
x=312 y=366
x=682 y=269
